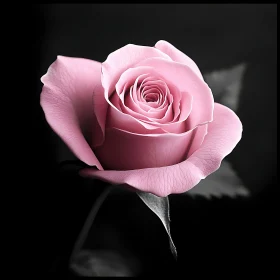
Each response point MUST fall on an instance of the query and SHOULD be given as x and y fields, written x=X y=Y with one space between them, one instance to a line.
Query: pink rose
x=144 y=117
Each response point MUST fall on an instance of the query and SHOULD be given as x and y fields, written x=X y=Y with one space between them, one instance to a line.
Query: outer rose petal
x=223 y=135
x=177 y=56
x=66 y=99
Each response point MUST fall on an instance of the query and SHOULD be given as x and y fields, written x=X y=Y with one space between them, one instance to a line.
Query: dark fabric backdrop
x=238 y=232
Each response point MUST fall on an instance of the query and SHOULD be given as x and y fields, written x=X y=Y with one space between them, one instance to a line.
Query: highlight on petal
x=67 y=100
x=178 y=56
x=223 y=135
x=122 y=59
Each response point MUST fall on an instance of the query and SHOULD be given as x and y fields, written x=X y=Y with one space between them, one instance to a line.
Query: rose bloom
x=144 y=118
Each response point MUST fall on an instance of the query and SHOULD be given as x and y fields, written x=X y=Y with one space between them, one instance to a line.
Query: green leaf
x=160 y=206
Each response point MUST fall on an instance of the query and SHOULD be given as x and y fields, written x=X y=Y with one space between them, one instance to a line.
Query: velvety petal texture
x=144 y=117
x=67 y=100
x=223 y=134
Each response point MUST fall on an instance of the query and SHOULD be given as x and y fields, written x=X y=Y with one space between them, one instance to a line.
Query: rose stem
x=89 y=221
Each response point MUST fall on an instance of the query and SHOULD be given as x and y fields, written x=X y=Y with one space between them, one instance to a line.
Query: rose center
x=151 y=97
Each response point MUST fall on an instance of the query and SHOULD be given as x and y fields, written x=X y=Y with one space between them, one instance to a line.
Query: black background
x=217 y=235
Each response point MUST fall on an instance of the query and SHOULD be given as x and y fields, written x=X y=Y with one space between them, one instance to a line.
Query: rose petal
x=122 y=59
x=153 y=117
x=122 y=150
x=128 y=78
x=66 y=98
x=129 y=107
x=179 y=126
x=117 y=119
x=186 y=81
x=173 y=110
x=178 y=56
x=145 y=85
x=198 y=138
x=223 y=135
x=131 y=102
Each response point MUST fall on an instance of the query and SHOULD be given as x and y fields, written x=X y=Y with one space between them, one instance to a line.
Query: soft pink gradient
x=145 y=118
x=125 y=151
x=223 y=135
x=66 y=99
